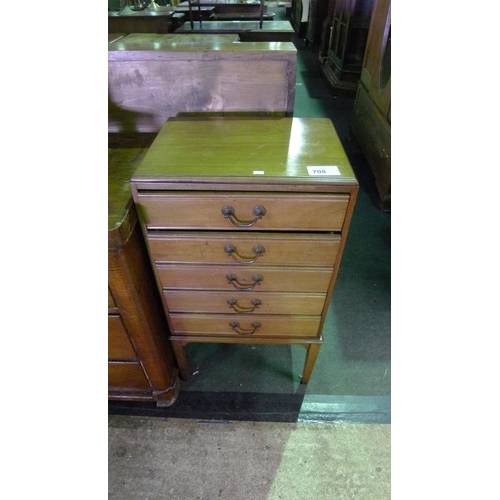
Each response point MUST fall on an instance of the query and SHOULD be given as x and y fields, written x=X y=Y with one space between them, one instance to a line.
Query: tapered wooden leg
x=180 y=357
x=312 y=354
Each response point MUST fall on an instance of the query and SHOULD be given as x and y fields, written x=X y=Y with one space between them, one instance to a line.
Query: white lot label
x=326 y=170
x=258 y=172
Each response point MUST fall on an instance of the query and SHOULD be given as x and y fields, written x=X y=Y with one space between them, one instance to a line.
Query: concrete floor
x=153 y=458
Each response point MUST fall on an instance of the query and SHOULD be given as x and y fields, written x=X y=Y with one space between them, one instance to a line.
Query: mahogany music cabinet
x=245 y=222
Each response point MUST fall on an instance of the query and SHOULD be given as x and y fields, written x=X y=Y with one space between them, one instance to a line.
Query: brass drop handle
x=233 y=280
x=233 y=304
x=235 y=326
x=228 y=213
x=231 y=251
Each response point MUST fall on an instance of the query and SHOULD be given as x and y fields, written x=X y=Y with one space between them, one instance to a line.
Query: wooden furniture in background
x=228 y=6
x=154 y=77
x=247 y=31
x=371 y=123
x=318 y=11
x=163 y=20
x=326 y=28
x=246 y=230
x=205 y=12
x=230 y=9
x=140 y=361
x=299 y=15
x=348 y=36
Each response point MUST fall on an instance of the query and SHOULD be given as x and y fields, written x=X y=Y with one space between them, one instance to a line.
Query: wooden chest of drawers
x=141 y=364
x=245 y=222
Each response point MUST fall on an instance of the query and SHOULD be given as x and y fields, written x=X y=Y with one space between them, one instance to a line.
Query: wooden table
x=228 y=6
x=163 y=20
x=206 y=12
x=245 y=223
x=248 y=31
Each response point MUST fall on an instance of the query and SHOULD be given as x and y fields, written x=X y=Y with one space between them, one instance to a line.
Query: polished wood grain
x=270 y=325
x=273 y=279
x=311 y=356
x=250 y=151
x=146 y=46
x=119 y=344
x=112 y=307
x=283 y=212
x=268 y=302
x=152 y=78
x=133 y=374
x=123 y=162
x=290 y=249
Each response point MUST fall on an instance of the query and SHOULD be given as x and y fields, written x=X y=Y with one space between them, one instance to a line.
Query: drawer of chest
x=126 y=376
x=234 y=277
x=119 y=346
x=255 y=325
x=247 y=303
x=233 y=211
x=245 y=249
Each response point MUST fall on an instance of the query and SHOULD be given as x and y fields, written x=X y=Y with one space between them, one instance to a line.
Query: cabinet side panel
x=144 y=94
x=133 y=285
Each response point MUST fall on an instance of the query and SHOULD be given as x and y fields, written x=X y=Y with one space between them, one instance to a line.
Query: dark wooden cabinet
x=318 y=10
x=298 y=15
x=140 y=361
x=371 y=123
x=326 y=27
x=347 y=44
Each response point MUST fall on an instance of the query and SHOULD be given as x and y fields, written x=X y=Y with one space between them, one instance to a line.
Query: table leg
x=180 y=357
x=312 y=354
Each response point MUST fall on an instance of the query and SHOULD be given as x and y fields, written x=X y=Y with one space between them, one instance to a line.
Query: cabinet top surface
x=191 y=42
x=128 y=12
x=252 y=150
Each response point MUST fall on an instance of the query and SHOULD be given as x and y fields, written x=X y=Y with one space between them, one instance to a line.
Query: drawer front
x=245 y=303
x=220 y=325
x=255 y=277
x=243 y=211
x=245 y=249
x=119 y=346
x=126 y=376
